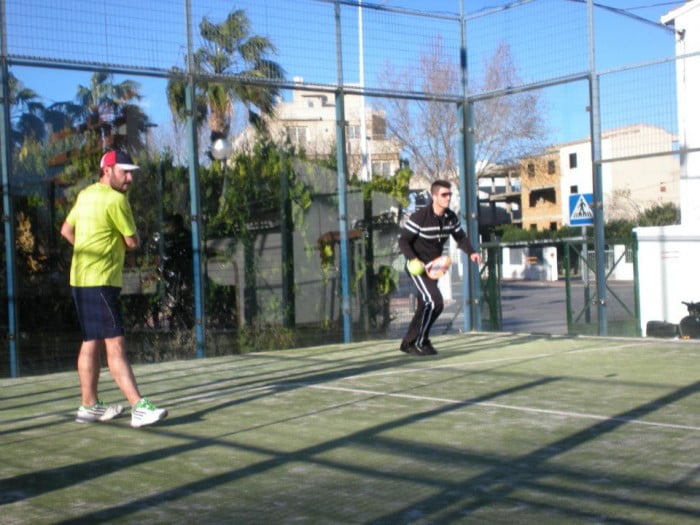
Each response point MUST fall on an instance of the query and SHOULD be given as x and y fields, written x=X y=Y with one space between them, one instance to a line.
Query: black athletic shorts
x=99 y=311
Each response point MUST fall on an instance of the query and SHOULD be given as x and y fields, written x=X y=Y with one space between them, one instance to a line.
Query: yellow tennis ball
x=415 y=267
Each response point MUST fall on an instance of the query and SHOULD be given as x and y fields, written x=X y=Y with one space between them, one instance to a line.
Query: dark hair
x=440 y=183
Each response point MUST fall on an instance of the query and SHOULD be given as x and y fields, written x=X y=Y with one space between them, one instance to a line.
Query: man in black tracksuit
x=423 y=237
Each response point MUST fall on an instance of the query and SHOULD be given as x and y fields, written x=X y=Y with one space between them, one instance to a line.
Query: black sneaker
x=428 y=349
x=410 y=348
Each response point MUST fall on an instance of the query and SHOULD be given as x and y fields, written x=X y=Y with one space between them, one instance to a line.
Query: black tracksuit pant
x=430 y=305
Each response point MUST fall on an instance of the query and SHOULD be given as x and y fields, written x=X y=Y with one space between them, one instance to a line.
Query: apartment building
x=308 y=121
x=630 y=184
x=541 y=192
x=500 y=195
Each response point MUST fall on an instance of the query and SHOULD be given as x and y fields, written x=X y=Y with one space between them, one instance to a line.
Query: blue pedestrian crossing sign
x=581 y=209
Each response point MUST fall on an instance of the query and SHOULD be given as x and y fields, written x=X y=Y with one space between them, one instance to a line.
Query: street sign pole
x=586 y=276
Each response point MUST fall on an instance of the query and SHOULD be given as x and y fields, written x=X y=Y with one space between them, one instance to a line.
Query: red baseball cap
x=118 y=158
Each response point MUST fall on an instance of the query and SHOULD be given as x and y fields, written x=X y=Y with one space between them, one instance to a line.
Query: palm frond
x=228 y=49
x=255 y=48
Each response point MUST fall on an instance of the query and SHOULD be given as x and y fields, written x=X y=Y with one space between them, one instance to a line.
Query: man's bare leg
x=89 y=371
x=121 y=370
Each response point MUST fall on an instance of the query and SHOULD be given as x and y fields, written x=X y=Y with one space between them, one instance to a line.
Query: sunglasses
x=447 y=194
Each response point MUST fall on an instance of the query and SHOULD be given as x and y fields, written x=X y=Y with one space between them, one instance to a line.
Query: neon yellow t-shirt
x=101 y=217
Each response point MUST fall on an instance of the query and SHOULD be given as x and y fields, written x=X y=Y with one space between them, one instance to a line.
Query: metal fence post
x=635 y=267
x=195 y=205
x=567 y=273
x=466 y=263
x=472 y=217
x=287 y=244
x=596 y=156
x=493 y=287
x=8 y=216
x=342 y=184
x=468 y=192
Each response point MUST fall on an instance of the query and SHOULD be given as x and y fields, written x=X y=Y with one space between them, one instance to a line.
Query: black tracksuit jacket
x=424 y=234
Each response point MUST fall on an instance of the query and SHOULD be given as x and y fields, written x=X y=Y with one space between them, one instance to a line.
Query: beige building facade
x=631 y=182
x=541 y=192
x=308 y=121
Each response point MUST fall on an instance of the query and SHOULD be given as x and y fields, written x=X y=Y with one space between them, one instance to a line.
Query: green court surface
x=498 y=428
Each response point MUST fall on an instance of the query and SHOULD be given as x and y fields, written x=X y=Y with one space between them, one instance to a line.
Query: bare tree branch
x=506 y=128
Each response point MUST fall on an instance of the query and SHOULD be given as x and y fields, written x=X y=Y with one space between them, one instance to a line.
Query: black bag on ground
x=689 y=327
x=662 y=329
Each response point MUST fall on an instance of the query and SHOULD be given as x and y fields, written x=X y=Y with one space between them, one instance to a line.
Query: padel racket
x=438 y=266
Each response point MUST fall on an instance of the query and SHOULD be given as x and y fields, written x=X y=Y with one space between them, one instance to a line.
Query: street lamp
x=221 y=149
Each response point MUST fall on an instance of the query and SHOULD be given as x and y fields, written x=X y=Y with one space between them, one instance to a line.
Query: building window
x=551 y=167
x=378 y=127
x=573 y=189
x=530 y=169
x=553 y=226
x=381 y=168
x=573 y=161
x=542 y=197
x=353 y=132
x=297 y=135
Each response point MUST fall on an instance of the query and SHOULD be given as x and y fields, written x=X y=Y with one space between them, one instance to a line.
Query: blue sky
x=620 y=41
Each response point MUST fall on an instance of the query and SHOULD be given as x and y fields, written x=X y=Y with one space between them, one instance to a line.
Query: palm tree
x=102 y=99
x=107 y=106
x=26 y=113
x=228 y=50
x=60 y=116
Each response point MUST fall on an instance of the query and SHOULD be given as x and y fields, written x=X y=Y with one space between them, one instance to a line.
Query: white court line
x=468 y=364
x=210 y=396
x=405 y=370
x=600 y=349
x=577 y=415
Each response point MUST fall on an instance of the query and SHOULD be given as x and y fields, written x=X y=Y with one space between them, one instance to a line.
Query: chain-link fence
x=284 y=144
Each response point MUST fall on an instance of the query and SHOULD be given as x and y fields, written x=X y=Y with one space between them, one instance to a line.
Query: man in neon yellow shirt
x=101 y=228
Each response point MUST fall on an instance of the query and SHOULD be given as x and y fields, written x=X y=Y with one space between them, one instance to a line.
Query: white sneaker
x=145 y=413
x=98 y=412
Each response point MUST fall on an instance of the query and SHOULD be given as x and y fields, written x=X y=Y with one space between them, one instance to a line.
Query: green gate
x=577 y=267
x=622 y=295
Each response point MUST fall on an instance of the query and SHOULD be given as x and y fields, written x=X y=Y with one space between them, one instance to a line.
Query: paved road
x=530 y=306
x=534 y=307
